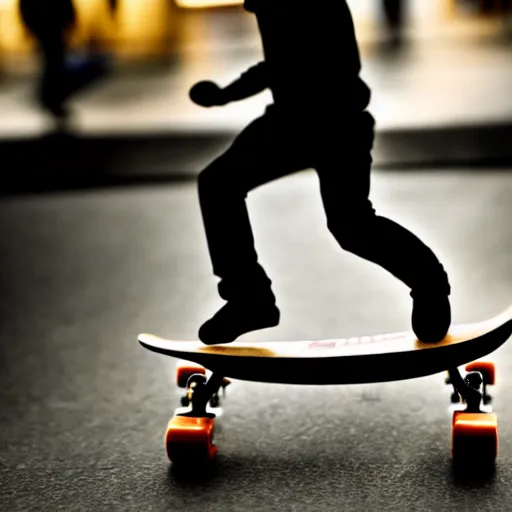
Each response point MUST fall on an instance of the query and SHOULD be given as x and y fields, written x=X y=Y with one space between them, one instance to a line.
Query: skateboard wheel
x=474 y=439
x=486 y=368
x=184 y=371
x=189 y=441
x=214 y=401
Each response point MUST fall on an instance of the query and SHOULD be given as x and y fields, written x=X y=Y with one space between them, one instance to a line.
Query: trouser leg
x=252 y=160
x=357 y=228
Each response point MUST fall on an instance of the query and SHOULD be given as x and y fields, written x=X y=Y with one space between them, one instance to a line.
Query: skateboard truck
x=468 y=388
x=475 y=428
x=201 y=391
x=480 y=375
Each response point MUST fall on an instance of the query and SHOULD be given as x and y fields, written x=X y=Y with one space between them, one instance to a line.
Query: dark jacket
x=311 y=56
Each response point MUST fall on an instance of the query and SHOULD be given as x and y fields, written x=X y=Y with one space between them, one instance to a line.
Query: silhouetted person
x=50 y=22
x=318 y=120
x=113 y=6
x=506 y=14
x=394 y=13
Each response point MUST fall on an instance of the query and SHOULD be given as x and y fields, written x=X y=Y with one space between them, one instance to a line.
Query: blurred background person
x=395 y=20
x=50 y=22
x=506 y=13
x=113 y=7
x=63 y=73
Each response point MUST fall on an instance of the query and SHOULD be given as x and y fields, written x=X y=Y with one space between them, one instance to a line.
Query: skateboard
x=204 y=372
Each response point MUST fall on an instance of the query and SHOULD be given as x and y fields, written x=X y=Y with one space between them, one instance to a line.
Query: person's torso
x=312 y=54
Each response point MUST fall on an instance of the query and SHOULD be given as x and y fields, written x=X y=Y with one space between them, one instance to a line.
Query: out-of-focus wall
x=206 y=4
x=139 y=28
x=153 y=28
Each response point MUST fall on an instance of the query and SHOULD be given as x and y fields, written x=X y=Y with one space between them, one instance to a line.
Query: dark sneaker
x=237 y=318
x=431 y=316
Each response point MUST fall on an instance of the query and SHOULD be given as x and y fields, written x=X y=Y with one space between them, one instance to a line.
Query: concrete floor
x=83 y=407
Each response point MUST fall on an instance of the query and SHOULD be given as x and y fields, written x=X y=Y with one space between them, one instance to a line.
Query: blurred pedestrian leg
x=506 y=14
x=395 y=19
x=63 y=72
x=50 y=23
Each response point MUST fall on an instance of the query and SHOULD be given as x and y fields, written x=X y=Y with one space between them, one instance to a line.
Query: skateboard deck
x=355 y=360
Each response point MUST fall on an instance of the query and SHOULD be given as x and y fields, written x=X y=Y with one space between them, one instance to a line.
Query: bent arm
x=251 y=82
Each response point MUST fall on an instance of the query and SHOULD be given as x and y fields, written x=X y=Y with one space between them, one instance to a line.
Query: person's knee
x=215 y=177
x=227 y=175
x=367 y=120
x=352 y=229
x=365 y=132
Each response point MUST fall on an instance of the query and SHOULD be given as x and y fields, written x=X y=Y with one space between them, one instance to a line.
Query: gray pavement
x=83 y=407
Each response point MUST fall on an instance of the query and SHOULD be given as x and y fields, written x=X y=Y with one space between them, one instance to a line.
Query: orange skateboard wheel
x=189 y=441
x=474 y=438
x=486 y=368
x=184 y=371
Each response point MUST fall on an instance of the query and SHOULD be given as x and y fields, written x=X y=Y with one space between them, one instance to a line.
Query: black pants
x=270 y=148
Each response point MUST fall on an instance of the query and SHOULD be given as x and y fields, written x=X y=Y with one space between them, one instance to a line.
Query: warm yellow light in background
x=92 y=21
x=205 y=4
x=14 y=39
x=140 y=27
x=143 y=27
x=13 y=36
